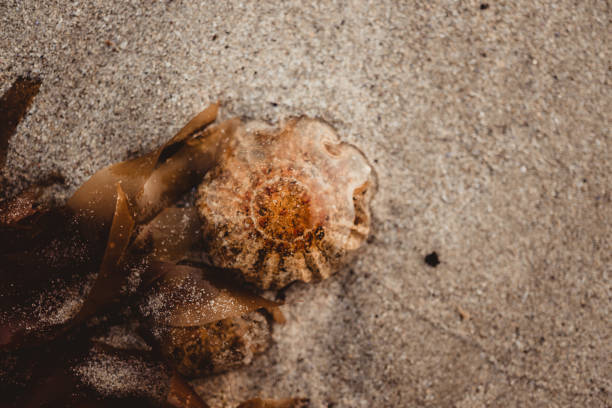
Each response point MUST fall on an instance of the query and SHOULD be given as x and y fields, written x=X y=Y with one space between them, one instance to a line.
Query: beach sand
x=488 y=125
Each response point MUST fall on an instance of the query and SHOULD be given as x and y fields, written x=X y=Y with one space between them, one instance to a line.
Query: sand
x=488 y=126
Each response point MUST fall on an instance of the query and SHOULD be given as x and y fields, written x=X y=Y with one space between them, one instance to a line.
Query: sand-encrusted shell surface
x=286 y=204
x=215 y=347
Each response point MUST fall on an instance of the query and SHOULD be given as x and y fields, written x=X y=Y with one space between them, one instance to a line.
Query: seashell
x=215 y=347
x=286 y=204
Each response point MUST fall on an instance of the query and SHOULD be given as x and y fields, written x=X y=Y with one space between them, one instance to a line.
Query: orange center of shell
x=282 y=210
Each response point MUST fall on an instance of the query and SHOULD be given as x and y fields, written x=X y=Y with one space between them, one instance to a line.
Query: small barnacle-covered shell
x=286 y=204
x=204 y=325
x=215 y=347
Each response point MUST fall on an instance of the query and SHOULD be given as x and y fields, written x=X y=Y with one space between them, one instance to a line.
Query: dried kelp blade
x=23 y=223
x=111 y=275
x=202 y=119
x=47 y=270
x=98 y=375
x=14 y=104
x=105 y=372
x=185 y=297
x=36 y=377
x=170 y=235
x=25 y=219
x=130 y=402
x=181 y=394
x=95 y=199
x=18 y=208
x=282 y=403
x=183 y=170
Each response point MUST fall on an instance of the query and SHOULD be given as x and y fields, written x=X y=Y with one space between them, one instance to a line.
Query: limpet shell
x=286 y=203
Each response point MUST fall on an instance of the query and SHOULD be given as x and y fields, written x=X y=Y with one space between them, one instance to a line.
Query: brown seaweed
x=14 y=104
x=41 y=246
x=121 y=226
x=269 y=403
x=111 y=275
x=179 y=173
x=95 y=199
x=45 y=266
x=182 y=394
x=98 y=375
x=187 y=296
x=19 y=208
x=171 y=234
